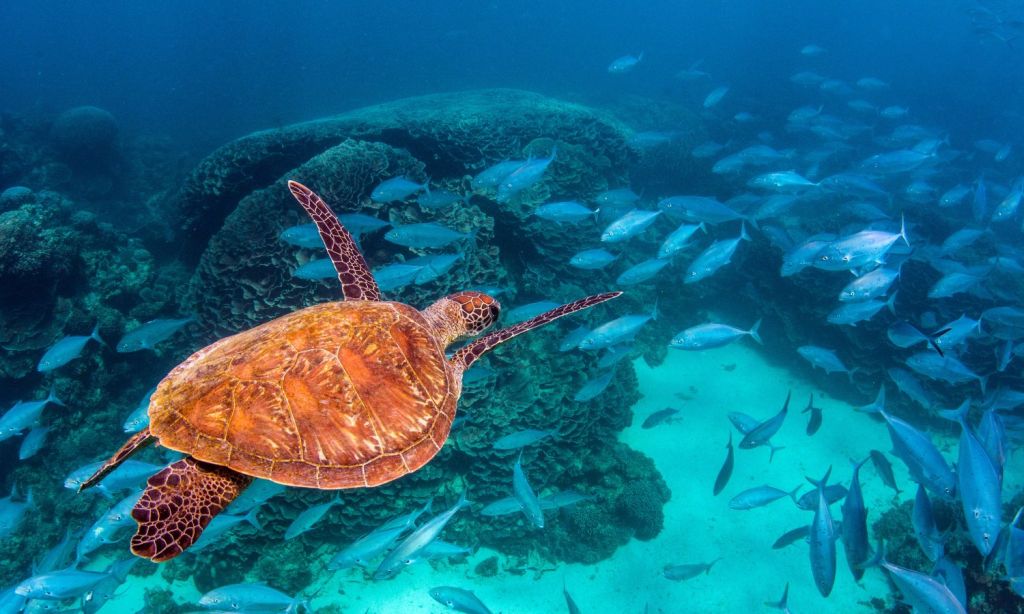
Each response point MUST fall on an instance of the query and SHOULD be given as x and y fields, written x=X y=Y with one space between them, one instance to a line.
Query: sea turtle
x=346 y=394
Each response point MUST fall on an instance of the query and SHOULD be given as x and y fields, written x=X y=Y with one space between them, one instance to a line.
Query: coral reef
x=86 y=137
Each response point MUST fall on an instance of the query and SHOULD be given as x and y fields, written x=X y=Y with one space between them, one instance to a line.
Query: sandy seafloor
x=698 y=526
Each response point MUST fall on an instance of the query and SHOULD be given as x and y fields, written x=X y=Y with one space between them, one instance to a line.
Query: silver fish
x=150 y=334
x=394 y=189
x=525 y=496
x=407 y=552
x=66 y=350
x=459 y=599
x=309 y=517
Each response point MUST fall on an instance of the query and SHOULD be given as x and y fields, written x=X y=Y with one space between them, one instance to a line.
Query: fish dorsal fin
x=471 y=352
x=357 y=283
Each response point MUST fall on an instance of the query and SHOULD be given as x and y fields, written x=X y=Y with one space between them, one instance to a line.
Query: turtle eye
x=479 y=311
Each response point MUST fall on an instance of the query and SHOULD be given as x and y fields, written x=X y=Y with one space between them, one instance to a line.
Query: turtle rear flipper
x=178 y=503
x=135 y=443
x=357 y=283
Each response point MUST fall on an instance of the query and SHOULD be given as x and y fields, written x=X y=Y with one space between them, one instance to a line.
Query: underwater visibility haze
x=512 y=307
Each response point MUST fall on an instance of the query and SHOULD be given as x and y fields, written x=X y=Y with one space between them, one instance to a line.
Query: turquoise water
x=812 y=214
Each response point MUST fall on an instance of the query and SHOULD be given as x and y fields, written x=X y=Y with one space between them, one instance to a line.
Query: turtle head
x=463 y=314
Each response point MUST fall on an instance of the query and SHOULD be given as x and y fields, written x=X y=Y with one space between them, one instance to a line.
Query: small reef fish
x=726 y=471
x=712 y=335
x=523 y=438
x=395 y=189
x=687 y=571
x=592 y=259
x=251 y=597
x=150 y=334
x=407 y=552
x=309 y=517
x=625 y=63
x=425 y=235
x=458 y=599
x=662 y=416
x=523 y=493
x=66 y=350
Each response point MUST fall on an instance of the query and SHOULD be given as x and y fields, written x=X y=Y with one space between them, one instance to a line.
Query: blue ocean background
x=174 y=230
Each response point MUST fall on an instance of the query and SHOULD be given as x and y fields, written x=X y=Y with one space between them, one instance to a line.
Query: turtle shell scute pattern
x=338 y=395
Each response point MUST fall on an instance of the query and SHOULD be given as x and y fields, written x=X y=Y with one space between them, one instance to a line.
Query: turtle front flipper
x=178 y=503
x=357 y=283
x=468 y=354
x=135 y=443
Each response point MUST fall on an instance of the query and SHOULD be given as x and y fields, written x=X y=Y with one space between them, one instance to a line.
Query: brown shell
x=338 y=395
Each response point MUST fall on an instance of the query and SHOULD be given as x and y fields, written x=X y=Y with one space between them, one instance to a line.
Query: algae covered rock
x=86 y=137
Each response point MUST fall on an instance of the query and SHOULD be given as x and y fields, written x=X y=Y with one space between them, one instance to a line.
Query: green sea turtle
x=347 y=394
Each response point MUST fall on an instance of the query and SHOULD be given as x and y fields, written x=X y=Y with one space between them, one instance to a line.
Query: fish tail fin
x=252 y=519
x=933 y=340
x=781 y=604
x=640 y=56
x=903 y=230
x=983 y=382
x=52 y=397
x=753 y=332
x=654 y=311
x=703 y=227
x=891 y=303
x=810 y=404
x=851 y=372
x=753 y=222
x=743 y=232
x=774 y=449
x=792 y=494
x=465 y=502
x=877 y=558
x=823 y=482
x=95 y=334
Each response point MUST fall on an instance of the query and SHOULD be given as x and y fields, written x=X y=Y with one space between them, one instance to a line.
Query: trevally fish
x=782 y=181
x=572 y=340
x=679 y=239
x=619 y=330
x=617 y=197
x=459 y=599
x=688 y=570
x=629 y=225
x=592 y=259
x=25 y=414
x=717 y=255
x=712 y=335
x=393 y=276
x=103 y=592
x=523 y=438
x=432 y=200
x=522 y=313
x=824 y=359
x=944 y=369
x=978 y=483
x=960 y=239
x=316 y=270
x=809 y=500
x=66 y=350
x=258 y=493
x=251 y=597
x=139 y=418
x=854 y=529
x=790 y=537
x=425 y=235
x=872 y=284
x=13 y=512
x=859 y=249
x=701 y=209
x=148 y=335
x=491 y=177
x=909 y=385
x=641 y=272
x=567 y=212
x=625 y=63
x=60 y=585
x=308 y=518
x=761 y=434
x=523 y=493
x=726 y=471
x=524 y=177
x=852 y=313
x=923 y=521
x=715 y=96
x=109 y=528
x=407 y=552
x=593 y=387
x=759 y=496
x=899 y=161
x=221 y=525
x=305 y=236
x=814 y=422
x=884 y=470
x=956 y=332
x=822 y=541
x=433 y=266
x=922 y=592
x=923 y=460
x=662 y=416
x=395 y=189
x=33 y=442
